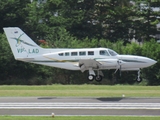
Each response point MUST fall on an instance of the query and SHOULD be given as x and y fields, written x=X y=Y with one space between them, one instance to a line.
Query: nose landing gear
x=139 y=78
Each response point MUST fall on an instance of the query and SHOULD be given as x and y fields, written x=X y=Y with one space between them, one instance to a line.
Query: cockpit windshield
x=112 y=53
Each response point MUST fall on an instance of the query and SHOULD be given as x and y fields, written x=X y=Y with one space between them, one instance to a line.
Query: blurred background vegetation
x=126 y=26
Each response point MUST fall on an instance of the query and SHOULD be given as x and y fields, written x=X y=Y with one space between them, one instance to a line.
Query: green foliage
x=12 y=13
x=6 y=56
x=133 y=49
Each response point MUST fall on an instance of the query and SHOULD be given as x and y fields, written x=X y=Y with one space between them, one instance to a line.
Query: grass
x=77 y=118
x=80 y=91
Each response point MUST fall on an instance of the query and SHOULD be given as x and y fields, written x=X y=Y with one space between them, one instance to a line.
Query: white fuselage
x=69 y=59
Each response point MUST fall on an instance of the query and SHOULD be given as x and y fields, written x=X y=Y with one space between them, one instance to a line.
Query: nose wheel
x=139 y=78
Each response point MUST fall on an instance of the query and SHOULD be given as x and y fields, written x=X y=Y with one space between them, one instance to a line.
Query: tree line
x=80 y=24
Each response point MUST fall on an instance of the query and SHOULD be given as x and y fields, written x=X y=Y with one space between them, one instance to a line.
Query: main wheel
x=91 y=77
x=139 y=79
x=98 y=78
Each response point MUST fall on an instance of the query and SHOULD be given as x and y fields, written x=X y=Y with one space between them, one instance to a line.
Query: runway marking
x=80 y=106
x=95 y=115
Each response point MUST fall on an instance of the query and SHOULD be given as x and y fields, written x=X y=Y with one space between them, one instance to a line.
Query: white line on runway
x=79 y=106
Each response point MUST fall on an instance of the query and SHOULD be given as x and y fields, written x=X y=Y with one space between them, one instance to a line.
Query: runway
x=65 y=106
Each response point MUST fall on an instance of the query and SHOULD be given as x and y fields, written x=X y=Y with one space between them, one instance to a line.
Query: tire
x=139 y=79
x=98 y=78
x=91 y=77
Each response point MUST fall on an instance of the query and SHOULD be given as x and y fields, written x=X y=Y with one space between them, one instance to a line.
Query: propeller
x=119 y=62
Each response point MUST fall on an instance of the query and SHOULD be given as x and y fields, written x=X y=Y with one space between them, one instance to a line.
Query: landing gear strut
x=139 y=79
x=91 y=75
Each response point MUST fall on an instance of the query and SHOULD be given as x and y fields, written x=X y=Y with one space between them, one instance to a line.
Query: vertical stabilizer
x=21 y=44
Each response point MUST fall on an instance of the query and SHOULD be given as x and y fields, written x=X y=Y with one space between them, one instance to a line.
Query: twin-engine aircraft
x=90 y=59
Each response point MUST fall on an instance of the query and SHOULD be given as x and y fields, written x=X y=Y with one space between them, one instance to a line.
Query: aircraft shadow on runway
x=112 y=99
x=107 y=99
x=43 y=98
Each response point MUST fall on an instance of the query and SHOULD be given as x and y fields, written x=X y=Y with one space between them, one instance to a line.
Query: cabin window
x=74 y=53
x=90 y=52
x=103 y=52
x=82 y=53
x=67 y=54
x=60 y=54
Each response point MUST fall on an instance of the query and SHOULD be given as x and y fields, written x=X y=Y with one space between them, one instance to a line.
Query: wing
x=85 y=64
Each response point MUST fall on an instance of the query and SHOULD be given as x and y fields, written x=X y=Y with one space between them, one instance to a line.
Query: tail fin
x=21 y=44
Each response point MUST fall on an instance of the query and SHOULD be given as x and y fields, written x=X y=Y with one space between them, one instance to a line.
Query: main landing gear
x=98 y=78
x=92 y=76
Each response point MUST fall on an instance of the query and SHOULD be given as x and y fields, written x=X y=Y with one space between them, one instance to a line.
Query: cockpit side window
x=112 y=53
x=66 y=53
x=103 y=52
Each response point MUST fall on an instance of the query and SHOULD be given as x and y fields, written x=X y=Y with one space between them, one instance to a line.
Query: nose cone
x=148 y=61
x=151 y=62
x=136 y=61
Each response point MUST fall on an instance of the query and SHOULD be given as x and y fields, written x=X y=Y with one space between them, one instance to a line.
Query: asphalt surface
x=45 y=106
